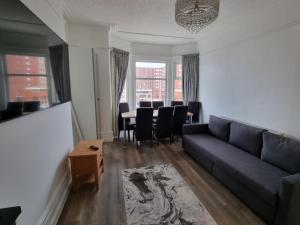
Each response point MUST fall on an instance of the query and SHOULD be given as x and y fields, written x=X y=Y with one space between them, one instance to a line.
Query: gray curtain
x=59 y=60
x=119 y=66
x=3 y=87
x=190 y=77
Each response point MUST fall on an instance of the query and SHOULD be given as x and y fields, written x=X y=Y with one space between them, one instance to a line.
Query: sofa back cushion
x=220 y=128
x=246 y=137
x=281 y=152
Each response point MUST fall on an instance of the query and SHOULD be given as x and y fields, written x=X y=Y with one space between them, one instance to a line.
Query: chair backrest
x=157 y=104
x=123 y=107
x=179 y=118
x=145 y=104
x=13 y=110
x=31 y=106
x=144 y=120
x=15 y=106
x=164 y=122
x=194 y=107
x=174 y=103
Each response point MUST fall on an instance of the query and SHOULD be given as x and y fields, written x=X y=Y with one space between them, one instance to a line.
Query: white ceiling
x=152 y=21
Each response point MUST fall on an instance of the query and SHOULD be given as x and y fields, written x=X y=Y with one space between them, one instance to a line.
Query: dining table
x=132 y=114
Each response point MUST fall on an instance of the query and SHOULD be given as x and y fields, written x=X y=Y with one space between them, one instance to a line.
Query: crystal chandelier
x=194 y=15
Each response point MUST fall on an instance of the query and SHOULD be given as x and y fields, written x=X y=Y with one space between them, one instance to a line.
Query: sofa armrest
x=195 y=129
x=288 y=212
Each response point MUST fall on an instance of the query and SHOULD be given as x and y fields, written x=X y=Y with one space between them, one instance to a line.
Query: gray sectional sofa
x=260 y=167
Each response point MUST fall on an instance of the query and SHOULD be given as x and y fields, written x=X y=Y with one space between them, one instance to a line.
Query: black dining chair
x=124 y=107
x=163 y=126
x=13 y=109
x=31 y=106
x=157 y=104
x=145 y=104
x=179 y=118
x=194 y=107
x=143 y=126
x=174 y=103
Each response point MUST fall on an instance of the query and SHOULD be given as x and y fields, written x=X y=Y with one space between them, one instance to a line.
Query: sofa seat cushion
x=246 y=137
x=282 y=152
x=258 y=176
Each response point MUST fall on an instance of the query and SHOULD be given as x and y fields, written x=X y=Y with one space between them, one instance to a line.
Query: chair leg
x=155 y=138
x=128 y=135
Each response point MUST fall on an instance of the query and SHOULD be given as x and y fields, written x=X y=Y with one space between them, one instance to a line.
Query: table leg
x=191 y=119
x=124 y=128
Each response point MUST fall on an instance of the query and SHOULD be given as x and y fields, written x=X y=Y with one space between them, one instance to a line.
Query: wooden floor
x=106 y=207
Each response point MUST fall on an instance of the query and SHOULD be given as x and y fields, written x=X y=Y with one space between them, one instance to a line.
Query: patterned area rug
x=159 y=195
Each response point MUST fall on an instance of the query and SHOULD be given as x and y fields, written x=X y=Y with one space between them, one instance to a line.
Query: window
x=178 y=95
x=27 y=79
x=150 y=81
x=124 y=93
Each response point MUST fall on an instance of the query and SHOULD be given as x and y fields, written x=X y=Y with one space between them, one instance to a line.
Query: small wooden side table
x=86 y=163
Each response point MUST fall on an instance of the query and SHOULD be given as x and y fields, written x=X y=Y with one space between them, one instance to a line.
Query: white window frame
x=175 y=60
x=175 y=78
x=126 y=89
x=128 y=82
x=149 y=60
x=33 y=54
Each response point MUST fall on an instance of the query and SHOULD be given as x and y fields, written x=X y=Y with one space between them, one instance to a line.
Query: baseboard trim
x=56 y=203
x=107 y=136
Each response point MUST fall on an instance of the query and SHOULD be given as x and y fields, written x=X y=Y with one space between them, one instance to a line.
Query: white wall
x=83 y=94
x=34 y=169
x=183 y=49
x=255 y=80
x=93 y=38
x=151 y=50
x=156 y=50
x=89 y=36
x=117 y=42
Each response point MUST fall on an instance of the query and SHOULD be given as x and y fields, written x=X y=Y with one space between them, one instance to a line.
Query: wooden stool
x=86 y=163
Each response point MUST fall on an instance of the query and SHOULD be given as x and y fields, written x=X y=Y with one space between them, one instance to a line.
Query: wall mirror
x=34 y=63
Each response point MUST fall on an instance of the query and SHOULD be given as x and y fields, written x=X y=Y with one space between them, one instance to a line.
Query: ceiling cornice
x=155 y=35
